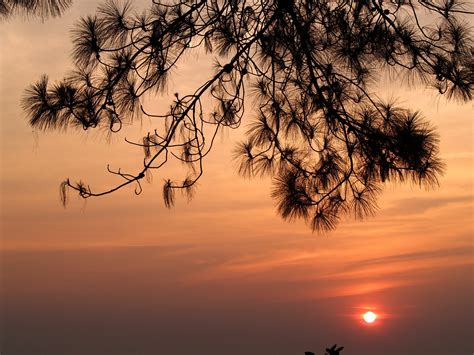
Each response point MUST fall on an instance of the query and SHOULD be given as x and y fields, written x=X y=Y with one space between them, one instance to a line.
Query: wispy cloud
x=419 y=205
x=317 y=274
x=459 y=253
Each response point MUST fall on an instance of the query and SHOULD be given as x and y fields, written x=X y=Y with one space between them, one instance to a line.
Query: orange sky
x=223 y=273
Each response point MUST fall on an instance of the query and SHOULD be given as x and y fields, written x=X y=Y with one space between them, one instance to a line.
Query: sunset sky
x=222 y=274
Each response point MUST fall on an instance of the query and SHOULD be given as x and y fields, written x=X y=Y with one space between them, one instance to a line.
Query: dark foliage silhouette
x=41 y=8
x=329 y=351
x=307 y=67
x=333 y=351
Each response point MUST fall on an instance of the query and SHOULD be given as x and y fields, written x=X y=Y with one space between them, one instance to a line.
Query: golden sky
x=222 y=274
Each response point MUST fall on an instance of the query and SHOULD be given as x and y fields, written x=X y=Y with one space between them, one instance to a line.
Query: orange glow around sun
x=369 y=317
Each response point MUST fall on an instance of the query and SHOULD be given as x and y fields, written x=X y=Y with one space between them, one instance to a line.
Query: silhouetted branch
x=40 y=8
x=327 y=141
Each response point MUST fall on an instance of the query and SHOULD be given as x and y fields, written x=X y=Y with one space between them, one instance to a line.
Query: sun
x=369 y=317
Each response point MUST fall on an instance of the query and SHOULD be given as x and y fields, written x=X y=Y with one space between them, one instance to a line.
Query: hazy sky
x=222 y=274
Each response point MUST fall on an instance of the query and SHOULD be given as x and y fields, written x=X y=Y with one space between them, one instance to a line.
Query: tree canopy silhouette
x=41 y=8
x=308 y=66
